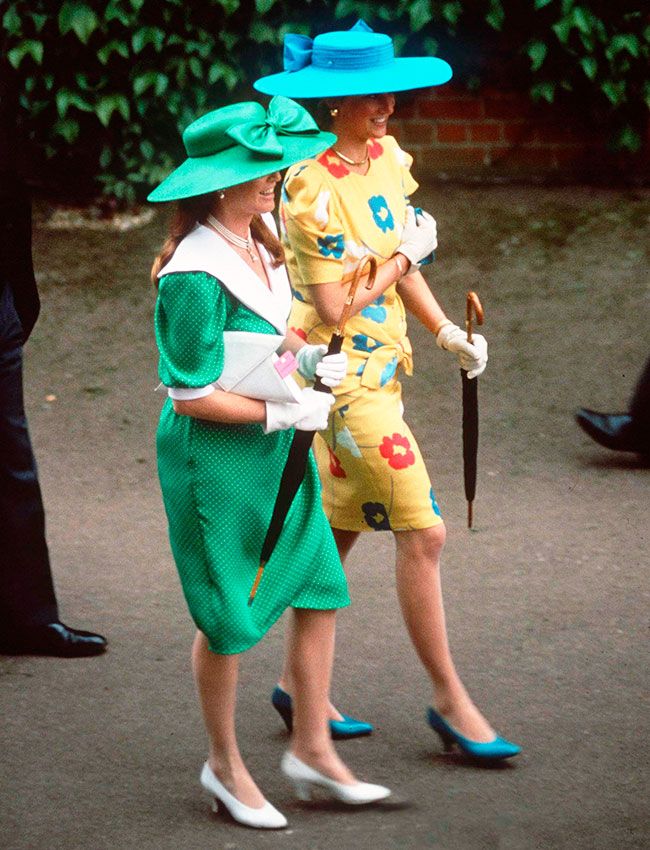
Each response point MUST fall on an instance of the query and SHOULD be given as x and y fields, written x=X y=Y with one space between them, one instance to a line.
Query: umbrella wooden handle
x=473 y=306
x=358 y=274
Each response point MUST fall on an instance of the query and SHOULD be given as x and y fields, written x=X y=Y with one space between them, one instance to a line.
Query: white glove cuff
x=446 y=329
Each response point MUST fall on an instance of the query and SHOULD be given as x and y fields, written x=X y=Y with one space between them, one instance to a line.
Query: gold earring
x=334 y=112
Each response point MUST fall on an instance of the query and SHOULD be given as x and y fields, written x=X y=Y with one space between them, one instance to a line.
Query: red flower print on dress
x=335 y=465
x=299 y=331
x=375 y=150
x=398 y=460
x=333 y=164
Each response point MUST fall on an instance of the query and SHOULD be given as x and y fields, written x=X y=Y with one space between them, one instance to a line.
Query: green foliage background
x=106 y=85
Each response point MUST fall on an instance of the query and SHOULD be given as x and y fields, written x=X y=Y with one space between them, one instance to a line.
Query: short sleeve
x=404 y=162
x=313 y=225
x=190 y=316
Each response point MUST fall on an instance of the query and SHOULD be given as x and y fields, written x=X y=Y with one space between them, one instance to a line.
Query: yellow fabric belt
x=379 y=359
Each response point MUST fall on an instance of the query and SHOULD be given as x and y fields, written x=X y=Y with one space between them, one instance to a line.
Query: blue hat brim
x=404 y=74
x=235 y=165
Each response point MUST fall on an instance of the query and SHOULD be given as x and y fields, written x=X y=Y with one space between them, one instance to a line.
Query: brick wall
x=496 y=133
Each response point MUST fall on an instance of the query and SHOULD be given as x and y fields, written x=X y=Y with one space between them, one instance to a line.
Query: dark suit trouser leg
x=27 y=594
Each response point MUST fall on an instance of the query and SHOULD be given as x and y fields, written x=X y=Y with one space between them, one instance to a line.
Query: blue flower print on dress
x=344 y=438
x=376 y=516
x=331 y=245
x=382 y=215
x=388 y=371
x=434 y=504
x=297 y=295
x=375 y=312
x=361 y=342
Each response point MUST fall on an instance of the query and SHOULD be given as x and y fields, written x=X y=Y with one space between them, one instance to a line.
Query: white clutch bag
x=252 y=368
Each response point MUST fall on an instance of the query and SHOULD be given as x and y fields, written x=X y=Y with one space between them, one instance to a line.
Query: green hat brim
x=235 y=165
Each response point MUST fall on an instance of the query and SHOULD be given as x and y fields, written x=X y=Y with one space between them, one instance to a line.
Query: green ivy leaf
x=66 y=98
x=147 y=149
x=495 y=15
x=68 y=128
x=105 y=157
x=543 y=91
x=451 y=12
x=150 y=79
x=39 y=20
x=229 y=6
x=114 y=11
x=624 y=41
x=419 y=14
x=589 y=66
x=114 y=46
x=147 y=35
x=194 y=65
x=229 y=39
x=582 y=19
x=226 y=73
x=263 y=6
x=627 y=138
x=29 y=47
x=537 y=51
x=562 y=29
x=110 y=103
x=614 y=91
x=11 y=21
x=78 y=17
x=261 y=32
x=539 y=4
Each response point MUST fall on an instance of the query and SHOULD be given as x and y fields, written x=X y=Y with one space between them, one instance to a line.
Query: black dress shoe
x=54 y=639
x=616 y=431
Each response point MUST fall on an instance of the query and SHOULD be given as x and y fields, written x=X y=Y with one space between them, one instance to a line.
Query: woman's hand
x=314 y=362
x=472 y=356
x=419 y=237
x=309 y=414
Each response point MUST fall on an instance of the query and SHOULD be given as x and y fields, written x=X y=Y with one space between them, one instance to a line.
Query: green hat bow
x=283 y=118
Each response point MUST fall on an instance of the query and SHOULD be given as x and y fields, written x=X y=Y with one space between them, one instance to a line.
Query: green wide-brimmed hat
x=357 y=61
x=242 y=142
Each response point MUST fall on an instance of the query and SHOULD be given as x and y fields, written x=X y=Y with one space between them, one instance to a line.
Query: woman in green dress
x=223 y=294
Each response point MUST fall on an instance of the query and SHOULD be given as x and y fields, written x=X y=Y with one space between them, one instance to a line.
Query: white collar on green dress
x=203 y=250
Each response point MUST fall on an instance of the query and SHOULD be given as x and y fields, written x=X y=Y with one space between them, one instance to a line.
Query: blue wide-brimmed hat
x=241 y=142
x=354 y=62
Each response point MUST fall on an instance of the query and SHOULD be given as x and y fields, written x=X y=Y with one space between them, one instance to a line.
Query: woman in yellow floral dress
x=351 y=201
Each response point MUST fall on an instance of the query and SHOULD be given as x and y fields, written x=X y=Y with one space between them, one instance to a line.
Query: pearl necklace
x=238 y=241
x=351 y=161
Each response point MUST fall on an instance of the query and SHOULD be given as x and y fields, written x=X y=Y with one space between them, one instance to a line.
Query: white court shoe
x=305 y=777
x=267 y=817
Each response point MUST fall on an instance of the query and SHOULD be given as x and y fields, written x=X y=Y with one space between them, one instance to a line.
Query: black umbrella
x=470 y=412
x=296 y=463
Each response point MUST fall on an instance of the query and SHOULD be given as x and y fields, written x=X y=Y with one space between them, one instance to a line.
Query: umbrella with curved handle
x=470 y=412
x=296 y=463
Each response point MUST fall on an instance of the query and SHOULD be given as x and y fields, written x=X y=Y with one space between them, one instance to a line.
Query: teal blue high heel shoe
x=339 y=729
x=494 y=750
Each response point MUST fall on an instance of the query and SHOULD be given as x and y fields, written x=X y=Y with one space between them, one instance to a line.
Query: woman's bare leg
x=310 y=658
x=344 y=542
x=420 y=594
x=216 y=682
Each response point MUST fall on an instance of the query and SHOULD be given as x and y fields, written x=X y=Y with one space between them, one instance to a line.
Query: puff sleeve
x=313 y=225
x=190 y=315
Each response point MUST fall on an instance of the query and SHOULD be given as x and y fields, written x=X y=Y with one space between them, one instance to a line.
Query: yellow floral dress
x=372 y=472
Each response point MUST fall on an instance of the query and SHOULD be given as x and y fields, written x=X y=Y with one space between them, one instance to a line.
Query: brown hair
x=185 y=216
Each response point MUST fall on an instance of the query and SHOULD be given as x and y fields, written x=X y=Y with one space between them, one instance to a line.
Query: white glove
x=419 y=237
x=308 y=414
x=472 y=356
x=313 y=362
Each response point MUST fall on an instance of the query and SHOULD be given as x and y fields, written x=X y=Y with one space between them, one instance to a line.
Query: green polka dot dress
x=219 y=484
